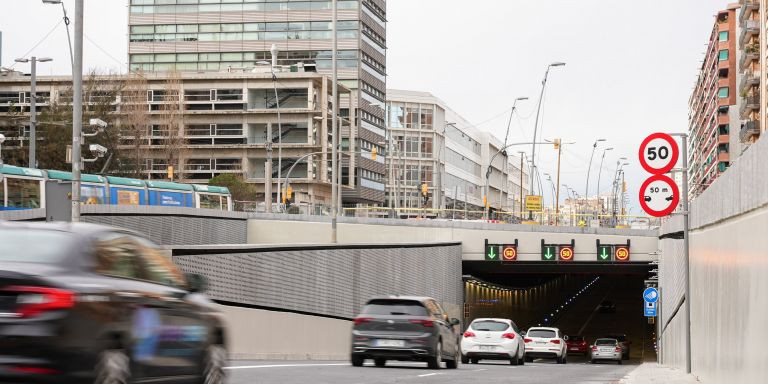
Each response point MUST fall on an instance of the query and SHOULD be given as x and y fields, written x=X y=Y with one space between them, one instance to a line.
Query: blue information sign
x=651 y=295
x=650 y=309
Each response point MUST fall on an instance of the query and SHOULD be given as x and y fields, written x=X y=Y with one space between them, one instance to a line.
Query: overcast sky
x=631 y=65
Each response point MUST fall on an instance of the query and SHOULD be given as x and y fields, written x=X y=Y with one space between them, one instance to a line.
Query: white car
x=545 y=343
x=606 y=349
x=492 y=339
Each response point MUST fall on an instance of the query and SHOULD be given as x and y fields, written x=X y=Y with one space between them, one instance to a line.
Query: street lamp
x=599 y=175
x=488 y=175
x=536 y=124
x=589 y=170
x=66 y=23
x=33 y=106
x=506 y=137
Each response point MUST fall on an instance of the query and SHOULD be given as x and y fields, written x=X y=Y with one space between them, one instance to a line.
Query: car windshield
x=605 y=342
x=395 y=307
x=620 y=338
x=33 y=246
x=543 y=333
x=489 y=326
x=576 y=339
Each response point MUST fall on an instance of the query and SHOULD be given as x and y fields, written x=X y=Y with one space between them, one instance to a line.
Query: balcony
x=749 y=131
x=747 y=7
x=751 y=54
x=749 y=28
x=749 y=104
x=751 y=78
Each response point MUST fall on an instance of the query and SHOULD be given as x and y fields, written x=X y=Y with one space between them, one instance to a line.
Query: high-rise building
x=433 y=145
x=712 y=112
x=217 y=35
x=750 y=83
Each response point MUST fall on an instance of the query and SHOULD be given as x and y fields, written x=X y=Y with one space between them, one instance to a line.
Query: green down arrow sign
x=604 y=253
x=548 y=252
x=490 y=253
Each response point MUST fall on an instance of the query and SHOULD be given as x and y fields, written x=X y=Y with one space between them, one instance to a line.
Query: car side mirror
x=565 y=337
x=455 y=321
x=196 y=283
x=522 y=333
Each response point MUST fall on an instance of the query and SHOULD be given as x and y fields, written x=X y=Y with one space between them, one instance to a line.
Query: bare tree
x=134 y=119
x=172 y=123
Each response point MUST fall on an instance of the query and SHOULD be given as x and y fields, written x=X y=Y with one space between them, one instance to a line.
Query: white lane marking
x=430 y=374
x=479 y=370
x=284 y=366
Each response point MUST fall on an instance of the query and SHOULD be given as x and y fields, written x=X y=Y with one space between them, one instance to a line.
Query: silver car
x=605 y=349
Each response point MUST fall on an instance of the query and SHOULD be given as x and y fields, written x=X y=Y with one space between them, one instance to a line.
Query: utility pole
x=599 y=175
x=33 y=106
x=334 y=126
x=559 y=147
x=273 y=50
x=77 y=110
x=521 y=183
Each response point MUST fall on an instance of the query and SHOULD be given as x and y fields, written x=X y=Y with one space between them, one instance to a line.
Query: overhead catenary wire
x=47 y=35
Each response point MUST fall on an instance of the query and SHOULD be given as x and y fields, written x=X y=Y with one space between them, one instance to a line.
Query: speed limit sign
x=659 y=153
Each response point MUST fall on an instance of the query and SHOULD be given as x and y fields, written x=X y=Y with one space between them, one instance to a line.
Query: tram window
x=210 y=201
x=23 y=193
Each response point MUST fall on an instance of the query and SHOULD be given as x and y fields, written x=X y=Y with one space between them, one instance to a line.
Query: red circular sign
x=622 y=253
x=509 y=254
x=566 y=253
x=659 y=195
x=659 y=153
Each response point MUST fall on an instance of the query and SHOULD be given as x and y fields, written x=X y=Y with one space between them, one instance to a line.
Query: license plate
x=390 y=343
x=606 y=350
x=541 y=342
x=487 y=348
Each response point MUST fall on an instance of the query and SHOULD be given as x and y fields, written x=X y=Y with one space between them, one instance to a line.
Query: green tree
x=242 y=192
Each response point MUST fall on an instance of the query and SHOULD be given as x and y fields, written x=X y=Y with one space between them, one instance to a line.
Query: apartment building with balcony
x=713 y=109
x=750 y=29
x=215 y=35
x=222 y=124
x=432 y=144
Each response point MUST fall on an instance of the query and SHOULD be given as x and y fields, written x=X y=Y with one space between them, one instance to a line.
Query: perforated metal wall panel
x=329 y=281
x=171 y=230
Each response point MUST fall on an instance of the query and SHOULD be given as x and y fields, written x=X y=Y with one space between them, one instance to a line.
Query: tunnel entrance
x=584 y=299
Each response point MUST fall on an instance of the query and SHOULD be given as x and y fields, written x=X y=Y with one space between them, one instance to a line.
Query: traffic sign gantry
x=558 y=252
x=658 y=153
x=659 y=195
x=501 y=252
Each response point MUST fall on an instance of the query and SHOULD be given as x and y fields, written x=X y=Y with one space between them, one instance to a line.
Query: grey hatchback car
x=405 y=328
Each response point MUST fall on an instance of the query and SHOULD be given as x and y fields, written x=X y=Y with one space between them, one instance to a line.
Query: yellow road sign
x=533 y=203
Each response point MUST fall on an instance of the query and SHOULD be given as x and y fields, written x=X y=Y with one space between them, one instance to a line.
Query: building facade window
x=723 y=55
x=723 y=36
x=723 y=92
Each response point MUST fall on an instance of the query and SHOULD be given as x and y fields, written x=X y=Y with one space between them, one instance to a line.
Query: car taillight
x=527 y=340
x=555 y=341
x=34 y=370
x=508 y=336
x=583 y=343
x=469 y=334
x=362 y=320
x=426 y=323
x=32 y=301
x=618 y=349
x=594 y=348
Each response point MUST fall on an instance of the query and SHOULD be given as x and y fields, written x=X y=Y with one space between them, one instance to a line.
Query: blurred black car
x=405 y=328
x=606 y=307
x=87 y=303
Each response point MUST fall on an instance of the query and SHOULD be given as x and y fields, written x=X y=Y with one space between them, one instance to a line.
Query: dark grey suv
x=405 y=328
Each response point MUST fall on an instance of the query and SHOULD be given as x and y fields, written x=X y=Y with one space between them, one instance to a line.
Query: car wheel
x=528 y=359
x=215 y=360
x=592 y=361
x=514 y=360
x=434 y=362
x=114 y=367
x=453 y=364
x=464 y=359
x=521 y=360
x=475 y=361
x=380 y=362
x=357 y=361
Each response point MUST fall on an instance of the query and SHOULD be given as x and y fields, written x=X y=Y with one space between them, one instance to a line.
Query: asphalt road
x=577 y=371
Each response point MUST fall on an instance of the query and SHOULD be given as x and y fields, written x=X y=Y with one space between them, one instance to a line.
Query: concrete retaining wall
x=729 y=265
x=313 y=291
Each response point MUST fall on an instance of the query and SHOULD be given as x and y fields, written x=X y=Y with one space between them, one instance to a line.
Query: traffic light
x=170 y=172
x=485 y=201
x=288 y=192
x=424 y=189
x=374 y=153
x=557 y=143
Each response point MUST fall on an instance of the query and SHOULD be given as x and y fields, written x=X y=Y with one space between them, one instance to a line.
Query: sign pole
x=557 y=193
x=686 y=256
